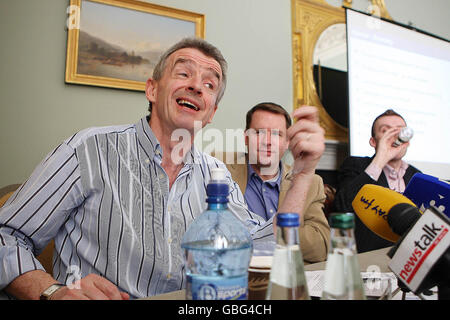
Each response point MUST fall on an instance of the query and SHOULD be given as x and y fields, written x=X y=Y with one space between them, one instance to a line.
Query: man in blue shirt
x=264 y=179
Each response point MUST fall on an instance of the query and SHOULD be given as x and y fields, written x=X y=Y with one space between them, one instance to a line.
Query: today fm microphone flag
x=372 y=204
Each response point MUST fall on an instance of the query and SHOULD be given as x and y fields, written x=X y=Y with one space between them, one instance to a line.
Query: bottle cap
x=288 y=219
x=342 y=220
x=406 y=134
x=217 y=174
x=217 y=189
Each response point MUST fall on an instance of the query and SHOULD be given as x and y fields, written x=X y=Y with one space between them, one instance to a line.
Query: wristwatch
x=47 y=294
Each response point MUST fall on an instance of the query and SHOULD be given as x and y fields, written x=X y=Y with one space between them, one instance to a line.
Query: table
x=377 y=258
x=366 y=260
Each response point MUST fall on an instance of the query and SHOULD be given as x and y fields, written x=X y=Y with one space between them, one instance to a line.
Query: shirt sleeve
x=373 y=171
x=260 y=229
x=33 y=214
x=314 y=231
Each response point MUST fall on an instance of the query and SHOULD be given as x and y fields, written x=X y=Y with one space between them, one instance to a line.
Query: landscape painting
x=117 y=43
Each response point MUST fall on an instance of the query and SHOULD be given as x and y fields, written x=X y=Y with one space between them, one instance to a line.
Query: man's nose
x=266 y=137
x=195 y=85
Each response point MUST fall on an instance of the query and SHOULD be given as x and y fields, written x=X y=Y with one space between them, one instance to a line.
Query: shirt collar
x=147 y=138
x=253 y=175
x=392 y=173
x=151 y=145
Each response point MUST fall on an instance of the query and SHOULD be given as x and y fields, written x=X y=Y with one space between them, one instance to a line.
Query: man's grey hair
x=204 y=47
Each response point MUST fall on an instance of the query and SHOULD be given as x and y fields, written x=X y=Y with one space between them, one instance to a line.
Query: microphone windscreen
x=372 y=205
x=402 y=216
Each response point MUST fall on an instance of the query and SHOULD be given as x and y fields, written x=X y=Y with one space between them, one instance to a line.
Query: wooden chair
x=45 y=258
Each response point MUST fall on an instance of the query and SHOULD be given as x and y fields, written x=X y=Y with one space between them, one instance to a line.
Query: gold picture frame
x=309 y=19
x=116 y=43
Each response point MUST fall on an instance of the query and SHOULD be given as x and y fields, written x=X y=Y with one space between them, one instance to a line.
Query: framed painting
x=117 y=43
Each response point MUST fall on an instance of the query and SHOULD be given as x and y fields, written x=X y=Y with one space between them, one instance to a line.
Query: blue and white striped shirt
x=104 y=198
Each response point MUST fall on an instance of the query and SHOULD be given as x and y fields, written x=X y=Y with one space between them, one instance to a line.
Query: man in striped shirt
x=117 y=200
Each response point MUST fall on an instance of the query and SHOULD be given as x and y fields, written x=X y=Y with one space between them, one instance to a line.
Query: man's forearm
x=380 y=160
x=296 y=195
x=30 y=285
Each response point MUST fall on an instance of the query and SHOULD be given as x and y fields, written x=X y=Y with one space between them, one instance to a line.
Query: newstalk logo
x=425 y=244
x=421 y=248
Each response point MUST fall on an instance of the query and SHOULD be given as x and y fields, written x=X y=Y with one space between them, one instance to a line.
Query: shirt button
x=271 y=210
x=169 y=240
x=264 y=189
x=169 y=276
x=147 y=161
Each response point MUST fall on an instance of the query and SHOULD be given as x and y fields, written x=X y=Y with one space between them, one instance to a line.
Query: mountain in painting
x=95 y=50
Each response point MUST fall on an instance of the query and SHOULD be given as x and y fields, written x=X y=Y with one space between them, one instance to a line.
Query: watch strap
x=47 y=293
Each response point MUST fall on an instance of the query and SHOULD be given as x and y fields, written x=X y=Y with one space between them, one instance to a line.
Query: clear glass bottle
x=287 y=275
x=342 y=279
x=218 y=249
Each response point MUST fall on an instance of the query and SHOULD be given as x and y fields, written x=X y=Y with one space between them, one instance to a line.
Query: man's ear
x=212 y=114
x=246 y=138
x=372 y=142
x=150 y=90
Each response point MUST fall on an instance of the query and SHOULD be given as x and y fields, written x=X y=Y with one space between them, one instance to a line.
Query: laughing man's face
x=187 y=91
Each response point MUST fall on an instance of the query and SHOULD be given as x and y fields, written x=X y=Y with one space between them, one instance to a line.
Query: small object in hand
x=404 y=136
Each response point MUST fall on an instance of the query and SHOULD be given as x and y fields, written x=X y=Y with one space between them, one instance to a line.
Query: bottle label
x=215 y=288
x=335 y=280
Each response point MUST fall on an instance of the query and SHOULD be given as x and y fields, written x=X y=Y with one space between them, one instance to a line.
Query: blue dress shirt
x=262 y=196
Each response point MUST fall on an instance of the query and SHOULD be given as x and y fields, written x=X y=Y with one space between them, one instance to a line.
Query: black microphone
x=402 y=217
x=421 y=258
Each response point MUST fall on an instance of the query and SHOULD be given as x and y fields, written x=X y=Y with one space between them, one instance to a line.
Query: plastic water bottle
x=342 y=274
x=406 y=134
x=287 y=275
x=218 y=248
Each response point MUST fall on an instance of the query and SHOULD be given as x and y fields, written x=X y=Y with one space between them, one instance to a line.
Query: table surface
x=368 y=261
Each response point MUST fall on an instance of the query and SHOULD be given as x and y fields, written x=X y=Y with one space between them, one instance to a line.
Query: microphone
x=425 y=190
x=421 y=258
x=406 y=133
x=372 y=204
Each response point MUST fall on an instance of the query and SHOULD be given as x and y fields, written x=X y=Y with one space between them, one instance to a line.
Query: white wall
x=38 y=110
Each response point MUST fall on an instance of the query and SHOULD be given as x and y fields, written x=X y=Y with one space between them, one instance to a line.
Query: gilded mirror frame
x=309 y=19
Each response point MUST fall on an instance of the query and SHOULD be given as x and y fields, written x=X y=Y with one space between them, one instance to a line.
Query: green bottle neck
x=342 y=239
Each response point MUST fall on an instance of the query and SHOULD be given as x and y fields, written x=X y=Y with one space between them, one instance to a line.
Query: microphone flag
x=425 y=191
x=421 y=248
x=372 y=204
